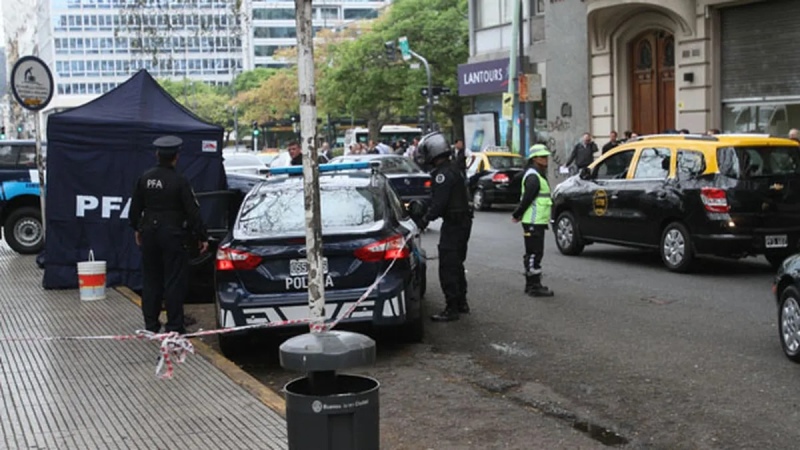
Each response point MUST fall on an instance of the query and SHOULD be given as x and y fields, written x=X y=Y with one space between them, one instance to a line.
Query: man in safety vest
x=534 y=213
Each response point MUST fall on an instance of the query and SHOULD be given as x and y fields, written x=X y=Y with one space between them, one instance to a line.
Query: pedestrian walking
x=164 y=215
x=461 y=155
x=534 y=211
x=583 y=153
x=450 y=201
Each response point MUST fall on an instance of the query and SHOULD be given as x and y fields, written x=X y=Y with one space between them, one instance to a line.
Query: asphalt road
x=626 y=354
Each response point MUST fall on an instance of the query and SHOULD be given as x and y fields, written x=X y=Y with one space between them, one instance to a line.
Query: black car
x=406 y=177
x=261 y=270
x=727 y=195
x=221 y=207
x=495 y=178
x=787 y=295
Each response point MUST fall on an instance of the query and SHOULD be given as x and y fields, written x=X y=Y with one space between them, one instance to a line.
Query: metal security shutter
x=759 y=43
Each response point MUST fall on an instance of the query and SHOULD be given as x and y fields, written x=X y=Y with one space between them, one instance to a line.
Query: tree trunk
x=374 y=126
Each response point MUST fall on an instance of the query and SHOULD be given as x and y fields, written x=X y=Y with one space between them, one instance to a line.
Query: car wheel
x=676 y=248
x=568 y=237
x=479 y=200
x=789 y=323
x=776 y=259
x=24 y=231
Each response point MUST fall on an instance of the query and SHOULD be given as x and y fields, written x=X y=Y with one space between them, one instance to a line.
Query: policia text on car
x=164 y=211
x=449 y=200
x=534 y=212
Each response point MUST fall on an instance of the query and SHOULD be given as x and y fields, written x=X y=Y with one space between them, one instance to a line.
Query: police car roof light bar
x=331 y=167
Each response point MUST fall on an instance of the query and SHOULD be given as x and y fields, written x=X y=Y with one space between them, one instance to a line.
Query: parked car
x=786 y=288
x=494 y=178
x=20 y=203
x=246 y=163
x=405 y=176
x=686 y=195
x=268 y=157
x=221 y=208
x=261 y=270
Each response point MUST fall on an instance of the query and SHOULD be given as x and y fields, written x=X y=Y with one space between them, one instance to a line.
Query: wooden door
x=653 y=82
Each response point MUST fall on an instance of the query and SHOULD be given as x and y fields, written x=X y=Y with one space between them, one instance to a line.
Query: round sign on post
x=32 y=83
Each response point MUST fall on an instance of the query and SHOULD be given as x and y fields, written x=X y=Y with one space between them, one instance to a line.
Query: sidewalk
x=104 y=394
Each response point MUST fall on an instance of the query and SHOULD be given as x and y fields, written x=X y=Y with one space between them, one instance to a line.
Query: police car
x=261 y=271
x=686 y=195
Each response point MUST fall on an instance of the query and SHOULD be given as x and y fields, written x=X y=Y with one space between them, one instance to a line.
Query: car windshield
x=751 y=162
x=506 y=162
x=279 y=210
x=241 y=161
x=267 y=158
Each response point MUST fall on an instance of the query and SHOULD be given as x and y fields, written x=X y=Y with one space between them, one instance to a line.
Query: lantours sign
x=485 y=77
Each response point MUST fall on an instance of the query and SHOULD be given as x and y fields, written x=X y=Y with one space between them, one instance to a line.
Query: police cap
x=168 y=145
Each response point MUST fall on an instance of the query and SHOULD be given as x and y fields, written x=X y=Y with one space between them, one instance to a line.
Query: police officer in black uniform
x=164 y=213
x=449 y=200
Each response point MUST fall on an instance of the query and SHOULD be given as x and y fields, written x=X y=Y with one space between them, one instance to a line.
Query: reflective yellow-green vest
x=539 y=211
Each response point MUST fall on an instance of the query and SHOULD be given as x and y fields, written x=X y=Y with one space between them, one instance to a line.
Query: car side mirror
x=585 y=173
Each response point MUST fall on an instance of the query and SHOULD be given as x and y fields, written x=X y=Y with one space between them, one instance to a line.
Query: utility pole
x=308 y=142
x=522 y=105
x=512 y=71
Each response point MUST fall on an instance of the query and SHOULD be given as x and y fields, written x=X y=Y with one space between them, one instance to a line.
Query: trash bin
x=346 y=417
x=326 y=410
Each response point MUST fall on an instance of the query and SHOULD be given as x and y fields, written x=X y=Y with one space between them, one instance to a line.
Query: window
x=488 y=13
x=8 y=156
x=614 y=167
x=278 y=210
x=689 y=164
x=537 y=6
x=653 y=164
x=350 y=14
x=506 y=162
x=750 y=162
x=273 y=14
x=328 y=13
x=274 y=32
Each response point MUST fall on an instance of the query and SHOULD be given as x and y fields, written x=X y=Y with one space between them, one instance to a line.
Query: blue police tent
x=95 y=154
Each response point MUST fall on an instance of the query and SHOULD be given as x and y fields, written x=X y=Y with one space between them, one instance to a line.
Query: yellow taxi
x=494 y=178
x=686 y=195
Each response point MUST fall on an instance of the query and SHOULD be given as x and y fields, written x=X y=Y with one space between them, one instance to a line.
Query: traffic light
x=391 y=50
x=2 y=133
x=422 y=114
x=19 y=128
x=256 y=131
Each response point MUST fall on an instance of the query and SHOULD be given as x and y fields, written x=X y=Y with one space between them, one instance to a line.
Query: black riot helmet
x=432 y=146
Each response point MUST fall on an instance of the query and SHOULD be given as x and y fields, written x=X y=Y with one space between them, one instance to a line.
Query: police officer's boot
x=528 y=284
x=463 y=306
x=537 y=290
x=449 y=314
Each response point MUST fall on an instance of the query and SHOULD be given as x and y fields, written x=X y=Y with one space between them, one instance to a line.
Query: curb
x=264 y=394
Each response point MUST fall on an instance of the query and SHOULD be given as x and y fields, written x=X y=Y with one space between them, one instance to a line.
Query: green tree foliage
x=252 y=79
x=361 y=82
x=210 y=103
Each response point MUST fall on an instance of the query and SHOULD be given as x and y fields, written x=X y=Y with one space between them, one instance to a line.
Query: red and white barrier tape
x=174 y=347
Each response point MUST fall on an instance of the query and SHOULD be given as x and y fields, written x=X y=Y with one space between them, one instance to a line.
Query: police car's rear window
x=752 y=162
x=271 y=212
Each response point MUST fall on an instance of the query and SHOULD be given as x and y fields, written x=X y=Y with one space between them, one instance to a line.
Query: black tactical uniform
x=164 y=211
x=450 y=201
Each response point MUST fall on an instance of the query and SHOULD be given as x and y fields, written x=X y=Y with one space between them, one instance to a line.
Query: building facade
x=93 y=45
x=273 y=23
x=649 y=66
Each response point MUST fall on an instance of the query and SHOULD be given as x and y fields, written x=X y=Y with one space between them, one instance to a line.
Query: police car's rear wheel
x=23 y=230
x=568 y=237
x=479 y=200
x=789 y=323
x=676 y=248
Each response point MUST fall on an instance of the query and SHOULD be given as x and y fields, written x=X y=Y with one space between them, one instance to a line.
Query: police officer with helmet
x=534 y=212
x=163 y=211
x=450 y=201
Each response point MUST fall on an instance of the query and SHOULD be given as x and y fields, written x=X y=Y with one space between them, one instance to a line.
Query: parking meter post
x=308 y=140
x=429 y=97
x=37 y=122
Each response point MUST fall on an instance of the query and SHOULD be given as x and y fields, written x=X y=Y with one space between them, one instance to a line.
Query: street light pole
x=522 y=104
x=429 y=97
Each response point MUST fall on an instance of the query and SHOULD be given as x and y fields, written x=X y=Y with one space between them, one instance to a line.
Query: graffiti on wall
x=560 y=140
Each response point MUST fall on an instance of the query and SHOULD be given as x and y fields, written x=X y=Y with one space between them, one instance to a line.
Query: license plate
x=299 y=267
x=776 y=241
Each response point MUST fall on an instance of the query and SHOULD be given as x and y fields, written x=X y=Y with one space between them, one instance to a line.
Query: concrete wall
x=567 y=79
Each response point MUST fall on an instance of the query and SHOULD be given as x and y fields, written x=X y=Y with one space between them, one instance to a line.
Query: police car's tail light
x=230 y=259
x=387 y=249
x=427 y=183
x=714 y=200
x=500 y=178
